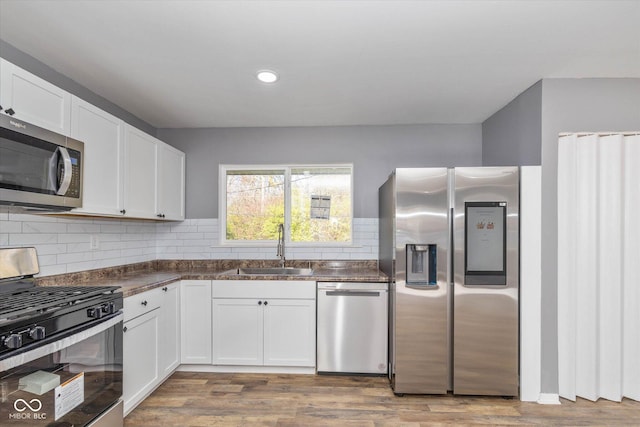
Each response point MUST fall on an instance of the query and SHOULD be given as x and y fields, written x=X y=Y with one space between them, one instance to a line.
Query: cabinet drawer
x=139 y=304
x=285 y=289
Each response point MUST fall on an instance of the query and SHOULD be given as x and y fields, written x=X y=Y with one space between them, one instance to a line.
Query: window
x=313 y=202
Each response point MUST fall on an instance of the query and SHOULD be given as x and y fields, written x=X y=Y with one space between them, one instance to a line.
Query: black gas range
x=31 y=315
x=60 y=349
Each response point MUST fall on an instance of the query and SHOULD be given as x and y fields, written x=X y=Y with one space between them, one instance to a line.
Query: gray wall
x=47 y=73
x=374 y=150
x=569 y=105
x=526 y=132
x=512 y=135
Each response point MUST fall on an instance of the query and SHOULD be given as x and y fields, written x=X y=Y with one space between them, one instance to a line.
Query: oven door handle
x=67 y=171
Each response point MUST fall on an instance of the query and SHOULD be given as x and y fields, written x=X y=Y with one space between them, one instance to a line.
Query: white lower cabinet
x=151 y=341
x=170 y=327
x=237 y=331
x=220 y=322
x=140 y=359
x=264 y=323
x=290 y=333
x=195 y=322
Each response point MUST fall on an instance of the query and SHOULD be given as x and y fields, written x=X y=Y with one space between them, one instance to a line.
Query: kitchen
x=532 y=114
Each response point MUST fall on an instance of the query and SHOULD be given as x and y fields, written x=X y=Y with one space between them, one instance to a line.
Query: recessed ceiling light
x=267 y=76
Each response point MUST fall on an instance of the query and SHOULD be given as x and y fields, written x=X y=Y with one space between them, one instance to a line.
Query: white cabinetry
x=34 y=100
x=170 y=182
x=140 y=347
x=238 y=331
x=140 y=171
x=196 y=321
x=170 y=326
x=151 y=341
x=153 y=177
x=126 y=171
x=264 y=323
x=103 y=137
x=290 y=332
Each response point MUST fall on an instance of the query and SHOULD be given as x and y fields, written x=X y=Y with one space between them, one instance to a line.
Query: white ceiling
x=193 y=63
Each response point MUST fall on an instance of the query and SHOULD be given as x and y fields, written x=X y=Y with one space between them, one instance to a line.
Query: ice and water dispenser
x=421 y=264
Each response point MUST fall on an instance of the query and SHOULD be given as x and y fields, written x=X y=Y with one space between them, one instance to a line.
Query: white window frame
x=286 y=168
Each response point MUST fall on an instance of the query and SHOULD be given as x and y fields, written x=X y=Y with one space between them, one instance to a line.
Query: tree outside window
x=313 y=202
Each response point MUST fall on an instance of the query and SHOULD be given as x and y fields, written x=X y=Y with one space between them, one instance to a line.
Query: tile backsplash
x=70 y=244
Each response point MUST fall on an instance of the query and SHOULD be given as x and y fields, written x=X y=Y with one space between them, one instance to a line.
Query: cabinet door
x=170 y=327
x=103 y=136
x=290 y=333
x=195 y=321
x=237 y=331
x=140 y=161
x=34 y=100
x=140 y=370
x=171 y=170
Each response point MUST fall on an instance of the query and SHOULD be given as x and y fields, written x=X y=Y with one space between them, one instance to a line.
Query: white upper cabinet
x=140 y=172
x=170 y=182
x=34 y=100
x=153 y=177
x=126 y=172
x=103 y=137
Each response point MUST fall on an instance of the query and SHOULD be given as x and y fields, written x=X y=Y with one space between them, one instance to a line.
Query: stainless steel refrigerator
x=449 y=241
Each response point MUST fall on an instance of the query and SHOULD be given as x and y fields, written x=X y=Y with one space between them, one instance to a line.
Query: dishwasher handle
x=347 y=293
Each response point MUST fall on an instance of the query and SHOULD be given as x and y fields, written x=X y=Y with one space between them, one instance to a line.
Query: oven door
x=69 y=382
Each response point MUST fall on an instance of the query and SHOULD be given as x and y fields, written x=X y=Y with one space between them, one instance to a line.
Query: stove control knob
x=13 y=341
x=37 y=333
x=109 y=308
x=95 y=312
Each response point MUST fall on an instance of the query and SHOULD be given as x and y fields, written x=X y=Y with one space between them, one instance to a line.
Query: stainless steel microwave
x=39 y=169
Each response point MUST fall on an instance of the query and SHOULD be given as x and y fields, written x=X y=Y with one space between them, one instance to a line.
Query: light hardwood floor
x=202 y=399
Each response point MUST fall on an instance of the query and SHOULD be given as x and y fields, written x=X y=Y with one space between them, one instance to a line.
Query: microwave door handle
x=67 y=171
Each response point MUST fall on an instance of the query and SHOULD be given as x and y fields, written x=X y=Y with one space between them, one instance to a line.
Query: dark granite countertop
x=137 y=278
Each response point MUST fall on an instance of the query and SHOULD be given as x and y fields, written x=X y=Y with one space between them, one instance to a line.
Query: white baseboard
x=549 y=399
x=248 y=369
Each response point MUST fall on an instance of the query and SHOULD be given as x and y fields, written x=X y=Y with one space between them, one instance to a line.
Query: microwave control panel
x=74 y=187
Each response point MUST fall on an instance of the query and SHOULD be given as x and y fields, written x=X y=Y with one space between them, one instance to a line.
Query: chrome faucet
x=280 y=250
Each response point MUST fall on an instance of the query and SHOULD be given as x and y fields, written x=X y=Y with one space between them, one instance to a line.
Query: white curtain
x=599 y=266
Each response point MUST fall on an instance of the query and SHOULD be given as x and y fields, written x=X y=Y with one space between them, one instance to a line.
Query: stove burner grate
x=38 y=300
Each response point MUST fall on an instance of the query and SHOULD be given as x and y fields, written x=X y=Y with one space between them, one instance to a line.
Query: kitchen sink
x=276 y=271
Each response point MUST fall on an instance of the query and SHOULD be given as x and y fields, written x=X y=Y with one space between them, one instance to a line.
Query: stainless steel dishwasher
x=352 y=327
